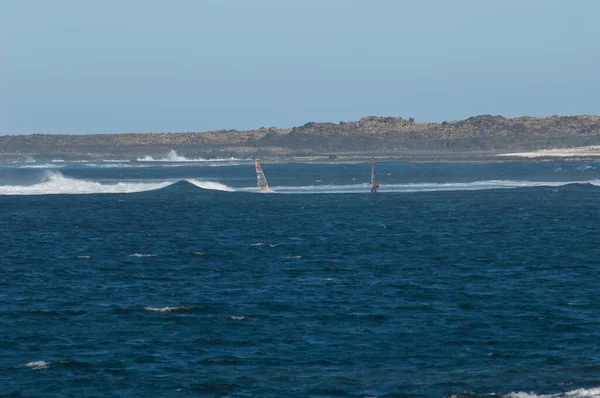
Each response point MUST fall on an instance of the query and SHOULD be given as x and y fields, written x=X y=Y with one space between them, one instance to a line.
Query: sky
x=78 y=67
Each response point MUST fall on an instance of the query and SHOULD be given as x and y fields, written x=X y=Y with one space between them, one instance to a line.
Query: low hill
x=383 y=136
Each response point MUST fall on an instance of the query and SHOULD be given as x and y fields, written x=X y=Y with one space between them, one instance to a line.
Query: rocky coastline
x=478 y=138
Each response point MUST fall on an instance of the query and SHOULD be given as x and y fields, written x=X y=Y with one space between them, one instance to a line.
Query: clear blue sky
x=73 y=66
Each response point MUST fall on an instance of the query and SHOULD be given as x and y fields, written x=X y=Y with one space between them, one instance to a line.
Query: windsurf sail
x=261 y=180
x=374 y=182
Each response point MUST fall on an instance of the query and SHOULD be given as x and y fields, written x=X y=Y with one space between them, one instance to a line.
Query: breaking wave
x=37 y=365
x=211 y=185
x=172 y=156
x=41 y=166
x=579 y=393
x=55 y=183
x=167 y=309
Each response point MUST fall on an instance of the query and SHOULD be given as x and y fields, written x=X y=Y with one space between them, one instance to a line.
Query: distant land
x=483 y=137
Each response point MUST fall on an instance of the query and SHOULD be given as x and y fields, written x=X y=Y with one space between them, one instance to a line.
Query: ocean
x=177 y=278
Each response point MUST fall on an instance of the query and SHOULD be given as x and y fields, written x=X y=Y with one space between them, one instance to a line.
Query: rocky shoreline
x=479 y=138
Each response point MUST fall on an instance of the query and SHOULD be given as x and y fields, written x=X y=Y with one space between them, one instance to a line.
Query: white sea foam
x=108 y=165
x=141 y=255
x=593 y=150
x=42 y=166
x=172 y=156
x=480 y=185
x=211 y=185
x=238 y=318
x=56 y=183
x=38 y=365
x=166 y=309
x=579 y=393
x=586 y=168
x=419 y=187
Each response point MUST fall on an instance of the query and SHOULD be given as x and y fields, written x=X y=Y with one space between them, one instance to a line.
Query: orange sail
x=261 y=180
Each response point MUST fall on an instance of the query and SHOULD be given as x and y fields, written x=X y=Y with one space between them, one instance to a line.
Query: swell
x=424 y=187
x=55 y=183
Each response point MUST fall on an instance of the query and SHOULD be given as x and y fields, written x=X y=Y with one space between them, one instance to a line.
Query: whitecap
x=237 y=318
x=215 y=186
x=166 y=309
x=42 y=166
x=38 y=365
x=422 y=187
x=141 y=255
x=257 y=244
x=586 y=168
x=55 y=183
x=172 y=156
x=579 y=393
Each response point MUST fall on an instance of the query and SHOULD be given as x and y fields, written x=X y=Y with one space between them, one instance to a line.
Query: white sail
x=374 y=182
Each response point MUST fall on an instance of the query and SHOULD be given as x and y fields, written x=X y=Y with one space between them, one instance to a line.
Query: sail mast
x=374 y=182
x=261 y=180
x=372 y=171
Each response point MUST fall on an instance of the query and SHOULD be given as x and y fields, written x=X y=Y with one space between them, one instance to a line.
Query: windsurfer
x=375 y=187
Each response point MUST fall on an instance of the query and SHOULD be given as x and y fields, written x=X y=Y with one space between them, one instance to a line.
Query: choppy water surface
x=183 y=279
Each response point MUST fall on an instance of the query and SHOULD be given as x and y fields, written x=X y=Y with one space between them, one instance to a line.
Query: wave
x=109 y=165
x=211 y=185
x=172 y=156
x=419 y=187
x=579 y=393
x=42 y=166
x=167 y=309
x=38 y=365
x=55 y=183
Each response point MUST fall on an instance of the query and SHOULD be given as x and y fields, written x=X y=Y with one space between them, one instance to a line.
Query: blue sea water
x=184 y=279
